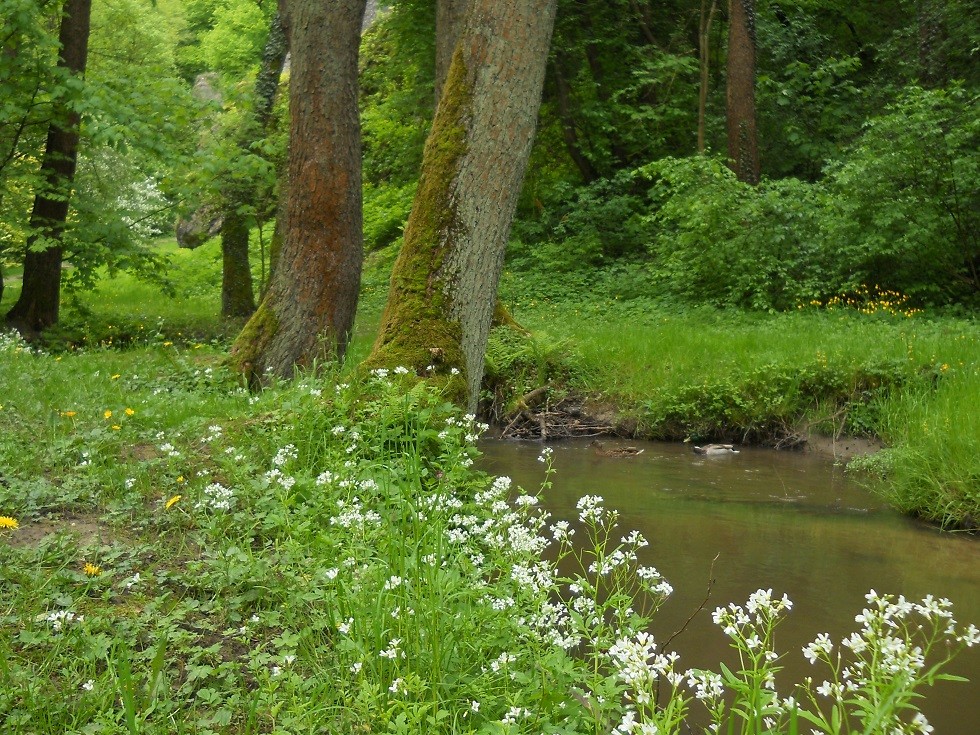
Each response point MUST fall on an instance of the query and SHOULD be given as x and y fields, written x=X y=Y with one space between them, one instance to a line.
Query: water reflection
x=784 y=520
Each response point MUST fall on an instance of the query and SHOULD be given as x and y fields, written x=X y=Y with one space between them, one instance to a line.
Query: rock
x=206 y=87
x=202 y=224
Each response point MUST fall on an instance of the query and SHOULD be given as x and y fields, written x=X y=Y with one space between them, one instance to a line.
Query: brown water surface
x=782 y=520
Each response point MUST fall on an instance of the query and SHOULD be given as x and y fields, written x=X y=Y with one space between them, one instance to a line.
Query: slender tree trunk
x=568 y=127
x=449 y=24
x=704 y=37
x=237 y=295
x=743 y=152
x=930 y=19
x=308 y=311
x=444 y=283
x=40 y=299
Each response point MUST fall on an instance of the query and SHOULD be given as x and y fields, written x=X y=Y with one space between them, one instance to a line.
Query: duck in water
x=601 y=449
x=714 y=449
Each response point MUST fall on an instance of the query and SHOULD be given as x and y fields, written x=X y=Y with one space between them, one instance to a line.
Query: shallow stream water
x=782 y=520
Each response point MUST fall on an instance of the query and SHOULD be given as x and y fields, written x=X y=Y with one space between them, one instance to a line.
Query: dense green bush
x=727 y=243
x=905 y=199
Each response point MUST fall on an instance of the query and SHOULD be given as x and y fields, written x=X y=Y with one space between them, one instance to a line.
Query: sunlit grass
x=933 y=467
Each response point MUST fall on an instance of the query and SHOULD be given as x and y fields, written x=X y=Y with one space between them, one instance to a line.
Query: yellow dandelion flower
x=130 y=412
x=180 y=479
x=116 y=427
x=173 y=501
x=8 y=522
x=92 y=570
x=67 y=414
x=167 y=344
x=108 y=414
x=115 y=377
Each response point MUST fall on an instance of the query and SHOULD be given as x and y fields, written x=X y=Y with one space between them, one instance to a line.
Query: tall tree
x=743 y=150
x=444 y=283
x=237 y=296
x=308 y=311
x=40 y=298
x=704 y=37
x=449 y=24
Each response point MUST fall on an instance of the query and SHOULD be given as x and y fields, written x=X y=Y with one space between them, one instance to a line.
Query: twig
x=707 y=596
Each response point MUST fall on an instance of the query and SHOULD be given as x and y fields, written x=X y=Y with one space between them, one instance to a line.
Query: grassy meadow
x=181 y=555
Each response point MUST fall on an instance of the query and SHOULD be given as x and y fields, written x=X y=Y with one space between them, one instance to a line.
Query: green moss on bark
x=416 y=329
x=252 y=341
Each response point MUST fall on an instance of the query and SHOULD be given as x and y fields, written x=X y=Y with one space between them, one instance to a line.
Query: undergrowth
x=180 y=555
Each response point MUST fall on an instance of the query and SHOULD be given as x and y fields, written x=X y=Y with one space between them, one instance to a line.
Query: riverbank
x=181 y=554
x=869 y=375
x=862 y=371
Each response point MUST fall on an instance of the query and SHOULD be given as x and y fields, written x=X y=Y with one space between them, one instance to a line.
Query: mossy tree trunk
x=444 y=283
x=450 y=15
x=308 y=310
x=40 y=299
x=237 y=294
x=743 y=151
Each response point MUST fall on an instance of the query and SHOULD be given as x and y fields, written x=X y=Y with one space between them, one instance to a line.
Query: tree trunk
x=930 y=19
x=40 y=298
x=569 y=128
x=444 y=283
x=704 y=37
x=450 y=15
x=308 y=311
x=237 y=296
x=743 y=151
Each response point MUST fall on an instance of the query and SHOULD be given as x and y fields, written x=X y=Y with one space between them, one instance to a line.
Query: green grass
x=321 y=557
x=931 y=468
x=180 y=555
x=678 y=373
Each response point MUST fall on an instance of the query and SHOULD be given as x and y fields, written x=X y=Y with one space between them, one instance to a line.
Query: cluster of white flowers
x=60 y=619
x=393 y=650
x=760 y=610
x=276 y=476
x=351 y=514
x=514 y=714
x=214 y=434
x=707 y=685
x=284 y=455
x=590 y=509
x=216 y=497
x=13 y=343
x=169 y=450
x=638 y=663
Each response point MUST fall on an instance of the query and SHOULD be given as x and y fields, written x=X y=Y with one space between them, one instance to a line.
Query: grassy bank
x=180 y=555
x=907 y=379
x=703 y=374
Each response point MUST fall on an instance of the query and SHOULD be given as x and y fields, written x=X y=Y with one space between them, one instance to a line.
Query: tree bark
x=931 y=26
x=568 y=127
x=237 y=295
x=444 y=283
x=308 y=311
x=40 y=298
x=743 y=152
x=704 y=37
x=450 y=15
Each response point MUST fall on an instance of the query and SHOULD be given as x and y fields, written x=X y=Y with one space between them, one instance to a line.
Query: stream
x=789 y=521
